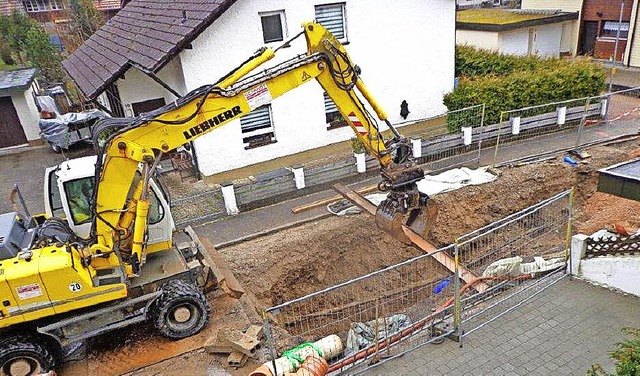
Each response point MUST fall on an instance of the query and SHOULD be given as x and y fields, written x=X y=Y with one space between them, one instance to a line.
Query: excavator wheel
x=181 y=311
x=22 y=355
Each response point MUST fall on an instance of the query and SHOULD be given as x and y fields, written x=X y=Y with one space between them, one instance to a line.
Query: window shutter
x=260 y=118
x=329 y=106
x=332 y=18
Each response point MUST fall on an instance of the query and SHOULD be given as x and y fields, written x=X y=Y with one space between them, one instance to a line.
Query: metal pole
x=615 y=48
x=456 y=296
x=272 y=351
x=569 y=230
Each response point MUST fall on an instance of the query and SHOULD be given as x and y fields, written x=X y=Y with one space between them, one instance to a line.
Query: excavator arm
x=121 y=224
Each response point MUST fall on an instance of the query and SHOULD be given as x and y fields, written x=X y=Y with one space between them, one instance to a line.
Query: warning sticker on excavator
x=29 y=291
x=258 y=96
x=305 y=76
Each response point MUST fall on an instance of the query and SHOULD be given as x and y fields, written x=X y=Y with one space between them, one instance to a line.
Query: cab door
x=160 y=223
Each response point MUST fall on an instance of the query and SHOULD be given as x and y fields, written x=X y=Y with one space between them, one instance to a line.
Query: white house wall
x=405 y=49
x=548 y=41
x=573 y=29
x=487 y=40
x=27 y=113
x=137 y=86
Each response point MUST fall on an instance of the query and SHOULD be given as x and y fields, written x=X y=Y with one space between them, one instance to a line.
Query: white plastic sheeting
x=431 y=185
x=513 y=266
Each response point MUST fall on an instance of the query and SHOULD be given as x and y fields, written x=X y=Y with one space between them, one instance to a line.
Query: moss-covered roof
x=503 y=19
x=496 y=16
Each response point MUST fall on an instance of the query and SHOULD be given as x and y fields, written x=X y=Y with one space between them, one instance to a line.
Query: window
x=79 y=194
x=333 y=117
x=333 y=18
x=42 y=5
x=610 y=29
x=54 y=197
x=273 y=26
x=257 y=128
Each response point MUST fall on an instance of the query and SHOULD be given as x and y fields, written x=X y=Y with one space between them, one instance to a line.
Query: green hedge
x=471 y=62
x=519 y=82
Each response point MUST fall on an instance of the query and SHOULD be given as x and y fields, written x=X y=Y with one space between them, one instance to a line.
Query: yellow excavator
x=103 y=257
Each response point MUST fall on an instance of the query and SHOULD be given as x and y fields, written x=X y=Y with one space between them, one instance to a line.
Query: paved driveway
x=562 y=331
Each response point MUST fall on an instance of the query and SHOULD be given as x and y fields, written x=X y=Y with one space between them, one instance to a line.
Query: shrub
x=626 y=356
x=507 y=82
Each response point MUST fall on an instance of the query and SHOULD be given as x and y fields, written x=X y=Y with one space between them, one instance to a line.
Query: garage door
x=11 y=132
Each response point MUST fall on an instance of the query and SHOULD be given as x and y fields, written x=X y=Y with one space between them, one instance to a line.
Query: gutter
x=516 y=25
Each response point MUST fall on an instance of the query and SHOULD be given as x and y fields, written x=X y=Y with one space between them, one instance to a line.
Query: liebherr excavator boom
x=79 y=270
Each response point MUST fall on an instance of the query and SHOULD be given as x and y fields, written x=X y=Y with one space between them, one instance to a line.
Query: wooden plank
x=442 y=257
x=326 y=201
x=356 y=198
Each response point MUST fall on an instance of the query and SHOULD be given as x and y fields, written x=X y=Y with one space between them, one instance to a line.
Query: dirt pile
x=298 y=261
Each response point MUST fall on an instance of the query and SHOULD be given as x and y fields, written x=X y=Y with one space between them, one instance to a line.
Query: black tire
x=24 y=356
x=181 y=311
x=55 y=148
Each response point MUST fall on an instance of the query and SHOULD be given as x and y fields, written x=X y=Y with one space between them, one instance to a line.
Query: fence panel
x=377 y=317
x=445 y=144
x=518 y=256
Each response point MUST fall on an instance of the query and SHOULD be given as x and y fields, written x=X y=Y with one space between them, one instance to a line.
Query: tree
x=23 y=41
x=83 y=20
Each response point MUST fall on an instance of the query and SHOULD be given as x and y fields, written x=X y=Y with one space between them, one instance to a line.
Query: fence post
x=569 y=242
x=229 y=196
x=361 y=163
x=578 y=251
x=298 y=176
x=495 y=153
x=456 y=295
x=466 y=135
x=272 y=351
x=515 y=125
x=416 y=146
x=562 y=115
x=604 y=107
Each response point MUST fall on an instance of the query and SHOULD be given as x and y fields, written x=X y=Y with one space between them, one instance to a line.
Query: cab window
x=156 y=211
x=54 y=197
x=79 y=193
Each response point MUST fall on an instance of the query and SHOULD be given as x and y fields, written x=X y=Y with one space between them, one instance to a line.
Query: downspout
x=633 y=34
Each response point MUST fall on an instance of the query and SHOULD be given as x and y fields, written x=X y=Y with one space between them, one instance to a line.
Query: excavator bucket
x=420 y=220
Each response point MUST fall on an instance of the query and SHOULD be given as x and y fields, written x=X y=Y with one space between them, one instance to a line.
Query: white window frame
x=34 y=6
x=265 y=135
x=343 y=6
x=283 y=24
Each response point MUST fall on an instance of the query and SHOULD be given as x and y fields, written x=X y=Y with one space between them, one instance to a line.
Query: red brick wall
x=605 y=46
x=610 y=10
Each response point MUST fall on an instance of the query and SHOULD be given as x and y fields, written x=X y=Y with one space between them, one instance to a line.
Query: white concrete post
x=416 y=145
x=466 y=135
x=229 y=196
x=603 y=107
x=361 y=163
x=298 y=176
x=562 y=115
x=578 y=250
x=515 y=125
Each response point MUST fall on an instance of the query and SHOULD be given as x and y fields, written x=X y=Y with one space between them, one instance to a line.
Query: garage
x=18 y=112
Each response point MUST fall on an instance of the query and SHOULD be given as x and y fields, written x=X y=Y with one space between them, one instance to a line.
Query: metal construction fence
x=369 y=320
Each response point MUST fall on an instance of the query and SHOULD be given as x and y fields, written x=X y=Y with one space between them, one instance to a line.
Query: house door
x=146 y=106
x=11 y=132
x=588 y=38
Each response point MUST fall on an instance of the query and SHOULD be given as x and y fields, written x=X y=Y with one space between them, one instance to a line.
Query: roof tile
x=145 y=33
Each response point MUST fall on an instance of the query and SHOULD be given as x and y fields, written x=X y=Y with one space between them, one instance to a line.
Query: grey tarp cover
x=56 y=131
x=363 y=334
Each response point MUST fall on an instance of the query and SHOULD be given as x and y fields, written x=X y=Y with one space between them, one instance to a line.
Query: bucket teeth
x=390 y=217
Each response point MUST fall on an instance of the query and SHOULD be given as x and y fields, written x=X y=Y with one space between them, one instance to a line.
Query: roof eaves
x=571 y=16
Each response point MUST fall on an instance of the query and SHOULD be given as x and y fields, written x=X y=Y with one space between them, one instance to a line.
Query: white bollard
x=562 y=115
x=466 y=135
x=515 y=125
x=361 y=163
x=298 y=176
x=578 y=250
x=229 y=196
x=416 y=145
x=603 y=107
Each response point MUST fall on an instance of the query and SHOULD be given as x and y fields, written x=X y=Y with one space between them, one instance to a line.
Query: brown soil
x=294 y=262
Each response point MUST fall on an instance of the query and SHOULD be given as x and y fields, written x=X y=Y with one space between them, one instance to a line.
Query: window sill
x=258 y=144
x=332 y=127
